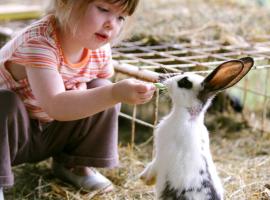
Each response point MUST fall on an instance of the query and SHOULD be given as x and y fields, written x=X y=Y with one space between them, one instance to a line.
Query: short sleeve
x=106 y=70
x=37 y=52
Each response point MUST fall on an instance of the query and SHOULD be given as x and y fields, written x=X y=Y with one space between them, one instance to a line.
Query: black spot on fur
x=207 y=183
x=169 y=192
x=173 y=194
x=212 y=193
x=205 y=95
x=206 y=188
x=184 y=83
x=201 y=172
x=190 y=189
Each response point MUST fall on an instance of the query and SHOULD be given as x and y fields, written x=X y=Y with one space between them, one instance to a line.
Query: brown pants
x=91 y=141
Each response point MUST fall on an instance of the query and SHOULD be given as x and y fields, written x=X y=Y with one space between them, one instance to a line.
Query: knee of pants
x=98 y=82
x=116 y=109
x=9 y=101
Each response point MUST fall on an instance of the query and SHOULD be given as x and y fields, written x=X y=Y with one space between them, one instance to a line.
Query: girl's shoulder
x=41 y=33
x=44 y=27
x=40 y=30
x=37 y=39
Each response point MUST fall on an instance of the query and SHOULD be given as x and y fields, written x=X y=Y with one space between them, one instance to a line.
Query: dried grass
x=175 y=20
x=242 y=159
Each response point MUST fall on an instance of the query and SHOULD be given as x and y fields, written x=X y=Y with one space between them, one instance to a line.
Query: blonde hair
x=62 y=9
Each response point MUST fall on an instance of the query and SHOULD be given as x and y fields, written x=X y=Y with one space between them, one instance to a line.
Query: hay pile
x=174 y=20
x=242 y=159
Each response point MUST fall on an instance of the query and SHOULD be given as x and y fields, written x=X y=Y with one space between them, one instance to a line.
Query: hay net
x=146 y=59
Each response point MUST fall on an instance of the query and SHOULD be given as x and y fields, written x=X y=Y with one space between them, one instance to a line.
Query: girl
x=55 y=97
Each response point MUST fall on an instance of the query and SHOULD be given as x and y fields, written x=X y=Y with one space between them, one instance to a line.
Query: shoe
x=1 y=194
x=95 y=181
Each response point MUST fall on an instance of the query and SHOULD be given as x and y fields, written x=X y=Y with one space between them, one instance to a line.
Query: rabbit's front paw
x=149 y=180
x=148 y=176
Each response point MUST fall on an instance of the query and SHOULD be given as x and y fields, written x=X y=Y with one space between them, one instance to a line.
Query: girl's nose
x=110 y=23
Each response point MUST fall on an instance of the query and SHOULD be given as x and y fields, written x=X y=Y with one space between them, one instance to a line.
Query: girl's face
x=101 y=24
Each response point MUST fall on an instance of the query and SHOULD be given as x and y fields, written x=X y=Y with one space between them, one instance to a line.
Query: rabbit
x=183 y=168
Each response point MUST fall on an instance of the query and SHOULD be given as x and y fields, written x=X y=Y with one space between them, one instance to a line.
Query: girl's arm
x=48 y=88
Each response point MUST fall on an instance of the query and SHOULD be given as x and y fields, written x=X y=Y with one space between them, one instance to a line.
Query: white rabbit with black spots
x=183 y=168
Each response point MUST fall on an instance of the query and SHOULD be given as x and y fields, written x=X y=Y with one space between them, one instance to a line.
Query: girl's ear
x=224 y=76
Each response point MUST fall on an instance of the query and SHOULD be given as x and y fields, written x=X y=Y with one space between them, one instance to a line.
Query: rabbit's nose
x=164 y=77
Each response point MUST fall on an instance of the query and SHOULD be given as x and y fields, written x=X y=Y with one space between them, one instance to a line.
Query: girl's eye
x=102 y=9
x=121 y=18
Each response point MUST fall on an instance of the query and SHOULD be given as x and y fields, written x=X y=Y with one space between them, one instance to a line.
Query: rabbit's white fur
x=183 y=165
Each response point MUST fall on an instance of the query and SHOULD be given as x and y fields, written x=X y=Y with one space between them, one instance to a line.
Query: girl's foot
x=83 y=177
x=1 y=194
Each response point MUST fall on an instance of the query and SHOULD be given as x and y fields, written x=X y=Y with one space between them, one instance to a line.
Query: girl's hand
x=81 y=86
x=131 y=91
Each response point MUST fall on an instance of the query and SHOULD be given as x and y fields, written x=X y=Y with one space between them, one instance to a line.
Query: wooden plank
x=133 y=71
x=19 y=12
x=5 y=31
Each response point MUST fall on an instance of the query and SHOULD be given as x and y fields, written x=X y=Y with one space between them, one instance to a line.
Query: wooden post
x=19 y=12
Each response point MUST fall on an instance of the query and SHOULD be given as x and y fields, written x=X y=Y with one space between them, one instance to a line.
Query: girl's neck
x=72 y=50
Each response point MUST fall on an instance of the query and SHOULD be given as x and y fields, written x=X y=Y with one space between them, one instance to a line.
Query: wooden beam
x=135 y=72
x=19 y=12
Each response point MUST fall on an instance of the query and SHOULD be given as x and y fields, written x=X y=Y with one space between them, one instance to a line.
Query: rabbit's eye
x=184 y=83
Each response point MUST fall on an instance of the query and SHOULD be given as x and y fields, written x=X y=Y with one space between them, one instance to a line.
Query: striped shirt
x=38 y=46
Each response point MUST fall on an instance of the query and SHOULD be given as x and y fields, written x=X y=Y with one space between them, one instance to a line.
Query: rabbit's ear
x=248 y=64
x=222 y=76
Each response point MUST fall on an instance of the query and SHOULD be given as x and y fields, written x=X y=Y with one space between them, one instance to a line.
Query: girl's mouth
x=101 y=37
